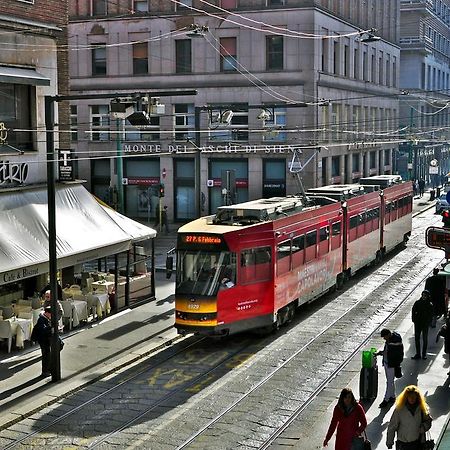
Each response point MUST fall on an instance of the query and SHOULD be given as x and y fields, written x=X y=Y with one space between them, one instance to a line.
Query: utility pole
x=198 y=190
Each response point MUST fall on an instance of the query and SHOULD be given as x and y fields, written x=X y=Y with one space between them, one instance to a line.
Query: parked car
x=442 y=203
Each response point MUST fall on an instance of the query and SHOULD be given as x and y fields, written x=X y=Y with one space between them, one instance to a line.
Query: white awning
x=85 y=230
x=17 y=75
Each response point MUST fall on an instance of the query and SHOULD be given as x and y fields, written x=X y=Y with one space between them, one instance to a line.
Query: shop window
x=335 y=166
x=228 y=54
x=372 y=157
x=16 y=106
x=183 y=56
x=274 y=178
x=274 y=52
x=184 y=186
x=255 y=265
x=100 y=121
x=74 y=122
x=274 y=125
x=184 y=118
x=98 y=52
x=140 y=58
x=355 y=162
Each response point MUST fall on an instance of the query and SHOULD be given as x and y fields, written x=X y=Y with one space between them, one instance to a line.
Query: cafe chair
x=67 y=316
x=92 y=305
x=6 y=332
x=8 y=312
x=36 y=303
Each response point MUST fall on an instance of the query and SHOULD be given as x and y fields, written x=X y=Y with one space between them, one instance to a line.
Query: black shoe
x=46 y=374
x=415 y=357
x=391 y=400
x=424 y=357
x=383 y=404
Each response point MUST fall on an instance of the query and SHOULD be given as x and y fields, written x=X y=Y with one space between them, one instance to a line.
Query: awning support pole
x=53 y=268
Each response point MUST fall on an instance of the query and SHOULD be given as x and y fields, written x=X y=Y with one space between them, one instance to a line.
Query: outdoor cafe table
x=21 y=328
x=79 y=311
x=102 y=304
x=103 y=286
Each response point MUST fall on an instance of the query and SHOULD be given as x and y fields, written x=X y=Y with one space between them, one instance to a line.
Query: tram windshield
x=204 y=273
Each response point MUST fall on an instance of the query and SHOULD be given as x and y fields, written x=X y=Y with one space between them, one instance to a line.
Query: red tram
x=250 y=265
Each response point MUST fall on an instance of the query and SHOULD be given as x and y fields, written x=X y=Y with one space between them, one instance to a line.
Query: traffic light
x=161 y=190
x=446 y=218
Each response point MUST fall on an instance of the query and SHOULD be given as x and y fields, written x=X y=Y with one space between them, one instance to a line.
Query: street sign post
x=438 y=238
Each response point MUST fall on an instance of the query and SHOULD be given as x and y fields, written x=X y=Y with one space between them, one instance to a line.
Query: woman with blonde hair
x=410 y=420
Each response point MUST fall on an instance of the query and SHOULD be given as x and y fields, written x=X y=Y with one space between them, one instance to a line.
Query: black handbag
x=367 y=443
x=427 y=442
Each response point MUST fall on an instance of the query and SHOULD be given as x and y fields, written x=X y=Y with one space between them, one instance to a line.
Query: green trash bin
x=369 y=358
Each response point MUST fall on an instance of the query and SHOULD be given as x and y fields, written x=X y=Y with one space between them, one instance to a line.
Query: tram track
x=195 y=441
x=118 y=434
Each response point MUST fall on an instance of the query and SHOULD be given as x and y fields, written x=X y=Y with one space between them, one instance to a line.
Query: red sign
x=240 y=182
x=144 y=181
x=438 y=238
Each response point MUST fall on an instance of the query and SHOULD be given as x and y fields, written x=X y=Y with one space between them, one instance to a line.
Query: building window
x=356 y=64
x=275 y=2
x=182 y=4
x=150 y=132
x=336 y=59
x=228 y=61
x=74 y=122
x=346 y=61
x=140 y=58
x=274 y=51
x=355 y=162
x=100 y=121
x=16 y=106
x=325 y=46
x=274 y=124
x=98 y=59
x=184 y=119
x=228 y=4
x=140 y=6
x=335 y=166
x=184 y=189
x=237 y=130
x=183 y=56
x=99 y=7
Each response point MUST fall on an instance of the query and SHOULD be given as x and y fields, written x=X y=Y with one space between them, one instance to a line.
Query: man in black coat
x=42 y=333
x=392 y=358
x=422 y=315
x=436 y=285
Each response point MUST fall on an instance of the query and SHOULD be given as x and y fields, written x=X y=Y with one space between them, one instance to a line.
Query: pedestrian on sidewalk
x=415 y=188
x=436 y=285
x=422 y=315
x=164 y=219
x=350 y=420
x=392 y=359
x=445 y=333
x=42 y=333
x=421 y=187
x=410 y=420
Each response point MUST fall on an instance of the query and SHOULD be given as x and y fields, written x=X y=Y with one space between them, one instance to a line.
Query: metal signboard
x=438 y=238
x=65 y=165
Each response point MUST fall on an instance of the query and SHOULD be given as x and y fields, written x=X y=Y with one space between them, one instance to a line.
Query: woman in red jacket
x=350 y=419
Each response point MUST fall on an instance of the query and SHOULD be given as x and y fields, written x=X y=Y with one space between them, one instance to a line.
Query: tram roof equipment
x=383 y=181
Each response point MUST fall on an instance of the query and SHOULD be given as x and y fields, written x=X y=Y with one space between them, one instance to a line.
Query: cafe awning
x=18 y=75
x=85 y=230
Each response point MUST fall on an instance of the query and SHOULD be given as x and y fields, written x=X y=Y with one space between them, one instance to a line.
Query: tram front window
x=204 y=273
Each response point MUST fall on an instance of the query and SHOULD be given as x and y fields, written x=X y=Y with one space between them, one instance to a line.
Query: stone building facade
x=425 y=79
x=308 y=92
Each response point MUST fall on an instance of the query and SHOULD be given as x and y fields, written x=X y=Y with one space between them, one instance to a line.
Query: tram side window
x=255 y=265
x=283 y=257
x=353 y=228
x=335 y=235
x=375 y=214
x=311 y=241
x=324 y=240
x=387 y=213
x=298 y=246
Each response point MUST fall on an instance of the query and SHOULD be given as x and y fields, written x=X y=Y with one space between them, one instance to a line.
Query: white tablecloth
x=79 y=311
x=102 y=304
x=103 y=286
x=21 y=328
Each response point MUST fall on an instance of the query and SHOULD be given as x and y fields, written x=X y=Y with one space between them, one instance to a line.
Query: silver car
x=442 y=204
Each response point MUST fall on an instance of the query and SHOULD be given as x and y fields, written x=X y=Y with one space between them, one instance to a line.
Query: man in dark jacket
x=422 y=315
x=436 y=285
x=392 y=358
x=42 y=333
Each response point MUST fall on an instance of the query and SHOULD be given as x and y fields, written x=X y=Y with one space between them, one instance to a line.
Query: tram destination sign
x=438 y=238
x=208 y=242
